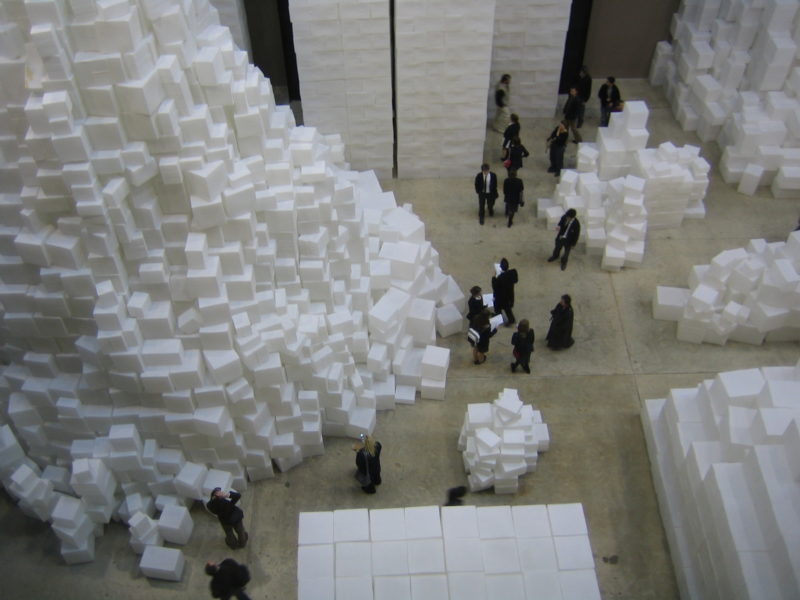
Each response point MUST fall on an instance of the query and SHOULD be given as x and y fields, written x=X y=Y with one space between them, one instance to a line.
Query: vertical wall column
x=443 y=54
x=529 y=45
x=344 y=66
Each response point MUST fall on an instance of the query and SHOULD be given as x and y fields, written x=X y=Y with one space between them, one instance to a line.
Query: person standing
x=502 y=100
x=475 y=303
x=609 y=100
x=228 y=579
x=516 y=152
x=572 y=111
x=511 y=132
x=569 y=230
x=557 y=144
x=368 y=463
x=503 y=288
x=561 y=318
x=522 y=341
x=584 y=85
x=512 y=194
x=230 y=516
x=486 y=188
x=483 y=326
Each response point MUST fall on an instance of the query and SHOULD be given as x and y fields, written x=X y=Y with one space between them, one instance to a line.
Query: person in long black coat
x=561 y=317
x=475 y=303
x=368 y=463
x=482 y=325
x=511 y=131
x=503 y=288
x=557 y=145
x=512 y=195
x=516 y=152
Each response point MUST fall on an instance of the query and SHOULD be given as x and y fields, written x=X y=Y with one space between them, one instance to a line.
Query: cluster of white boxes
x=193 y=289
x=745 y=295
x=345 y=72
x=622 y=188
x=725 y=457
x=532 y=552
x=441 y=79
x=528 y=44
x=730 y=75
x=501 y=441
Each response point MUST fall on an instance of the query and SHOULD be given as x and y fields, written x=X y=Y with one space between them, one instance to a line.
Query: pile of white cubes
x=501 y=442
x=533 y=552
x=528 y=44
x=747 y=295
x=730 y=75
x=441 y=78
x=725 y=457
x=193 y=288
x=345 y=75
x=621 y=188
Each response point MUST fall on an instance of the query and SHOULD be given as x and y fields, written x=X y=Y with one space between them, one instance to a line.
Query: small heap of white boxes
x=501 y=441
x=725 y=457
x=533 y=552
x=730 y=75
x=745 y=295
x=621 y=189
x=193 y=288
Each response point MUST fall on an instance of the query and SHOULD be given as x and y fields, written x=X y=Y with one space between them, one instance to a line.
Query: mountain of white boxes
x=535 y=552
x=731 y=75
x=745 y=295
x=725 y=457
x=621 y=188
x=193 y=289
x=501 y=441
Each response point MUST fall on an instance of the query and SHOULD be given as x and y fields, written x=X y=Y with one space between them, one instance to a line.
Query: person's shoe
x=552 y=258
x=491 y=213
x=509 y=223
x=551 y=170
x=563 y=266
x=476 y=362
x=481 y=221
x=526 y=369
x=513 y=367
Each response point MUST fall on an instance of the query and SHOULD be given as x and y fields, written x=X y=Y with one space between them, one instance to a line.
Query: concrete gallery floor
x=589 y=395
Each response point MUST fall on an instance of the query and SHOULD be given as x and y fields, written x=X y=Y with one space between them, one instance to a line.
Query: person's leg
x=510 y=319
x=556 y=250
x=511 y=212
x=490 y=205
x=576 y=135
x=565 y=258
x=559 y=160
x=581 y=114
x=552 y=167
x=481 y=207
x=230 y=537
x=241 y=533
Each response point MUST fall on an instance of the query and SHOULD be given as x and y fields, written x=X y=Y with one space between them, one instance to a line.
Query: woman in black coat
x=475 y=303
x=368 y=463
x=516 y=152
x=560 y=334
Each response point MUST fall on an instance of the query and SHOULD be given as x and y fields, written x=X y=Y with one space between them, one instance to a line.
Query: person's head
x=610 y=80
x=512 y=174
x=217 y=493
x=485 y=167
x=571 y=213
x=514 y=118
x=562 y=125
x=523 y=326
x=367 y=442
x=475 y=290
x=503 y=264
x=566 y=300
x=211 y=568
x=482 y=319
x=573 y=91
x=506 y=79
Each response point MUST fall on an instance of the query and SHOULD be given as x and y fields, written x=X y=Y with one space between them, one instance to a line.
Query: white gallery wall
x=344 y=67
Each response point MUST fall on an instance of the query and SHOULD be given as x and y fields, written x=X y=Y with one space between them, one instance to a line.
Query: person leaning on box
x=230 y=516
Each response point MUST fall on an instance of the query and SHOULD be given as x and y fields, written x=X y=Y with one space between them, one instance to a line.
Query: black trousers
x=557 y=158
x=235 y=535
x=485 y=200
x=562 y=243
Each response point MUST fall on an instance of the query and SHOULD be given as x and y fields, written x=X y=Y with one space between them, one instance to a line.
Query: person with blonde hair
x=368 y=463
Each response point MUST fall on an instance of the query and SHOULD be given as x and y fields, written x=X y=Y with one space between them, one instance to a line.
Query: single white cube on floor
x=158 y=562
x=432 y=389
x=422 y=522
x=573 y=552
x=537 y=554
x=405 y=394
x=351 y=525
x=531 y=521
x=387 y=524
x=175 y=524
x=579 y=585
x=315 y=528
x=435 y=362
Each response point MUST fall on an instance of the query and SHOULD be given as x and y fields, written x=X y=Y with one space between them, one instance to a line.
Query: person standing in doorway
x=572 y=112
x=584 y=85
x=512 y=195
x=609 y=100
x=556 y=146
x=503 y=288
x=569 y=230
x=502 y=100
x=486 y=188
x=230 y=516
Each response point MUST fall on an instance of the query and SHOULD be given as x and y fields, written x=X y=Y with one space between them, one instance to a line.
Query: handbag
x=507 y=163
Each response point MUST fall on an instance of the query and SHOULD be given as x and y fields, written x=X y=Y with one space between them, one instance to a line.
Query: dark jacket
x=558 y=139
x=584 y=86
x=492 y=184
x=229 y=579
x=516 y=154
x=609 y=94
x=572 y=107
x=225 y=508
x=523 y=344
x=474 y=307
x=573 y=230
x=560 y=333
x=483 y=343
x=503 y=288
x=510 y=133
x=371 y=464
x=512 y=192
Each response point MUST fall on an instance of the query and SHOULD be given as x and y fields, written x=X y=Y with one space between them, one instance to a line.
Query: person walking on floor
x=512 y=195
x=569 y=230
x=609 y=100
x=480 y=333
x=572 y=111
x=368 y=463
x=230 y=516
x=511 y=132
x=522 y=341
x=516 y=152
x=475 y=303
x=502 y=100
x=584 y=85
x=228 y=579
x=561 y=318
x=556 y=145
x=503 y=289
x=486 y=188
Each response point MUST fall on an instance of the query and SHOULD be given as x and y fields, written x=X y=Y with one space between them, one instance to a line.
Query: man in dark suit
x=486 y=188
x=569 y=230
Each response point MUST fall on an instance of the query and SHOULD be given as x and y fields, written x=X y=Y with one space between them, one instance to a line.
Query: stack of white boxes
x=532 y=552
x=745 y=295
x=344 y=68
x=501 y=441
x=622 y=189
x=442 y=75
x=528 y=44
x=724 y=457
x=730 y=75
x=193 y=288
